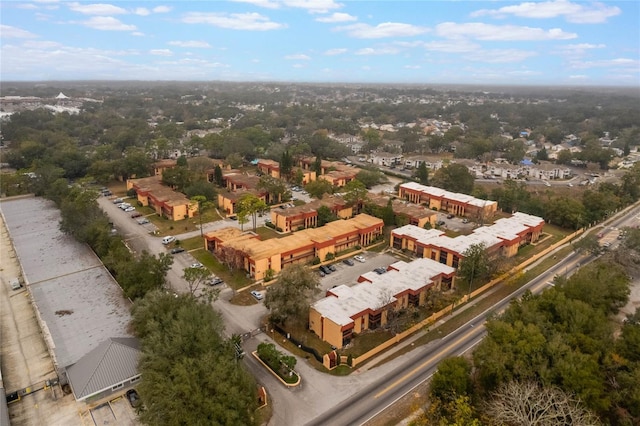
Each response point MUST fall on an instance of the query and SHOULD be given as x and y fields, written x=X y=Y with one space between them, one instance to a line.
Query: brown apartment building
x=165 y=201
x=257 y=257
x=365 y=306
x=503 y=238
x=452 y=202
x=306 y=216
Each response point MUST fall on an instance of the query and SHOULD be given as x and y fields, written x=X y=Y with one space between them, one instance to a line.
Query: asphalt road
x=381 y=394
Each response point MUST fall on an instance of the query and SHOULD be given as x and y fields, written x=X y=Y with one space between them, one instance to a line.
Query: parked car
x=215 y=281
x=168 y=239
x=177 y=250
x=143 y=221
x=257 y=294
x=325 y=269
x=136 y=214
x=332 y=267
x=348 y=262
x=440 y=222
x=322 y=274
x=197 y=265
x=450 y=216
x=360 y=258
x=465 y=220
x=118 y=201
x=380 y=271
x=123 y=206
x=133 y=398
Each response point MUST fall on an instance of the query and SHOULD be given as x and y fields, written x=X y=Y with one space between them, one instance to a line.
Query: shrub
x=350 y=360
x=315 y=261
x=330 y=256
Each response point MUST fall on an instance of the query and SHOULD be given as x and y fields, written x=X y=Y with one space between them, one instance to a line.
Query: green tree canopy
x=455 y=178
x=318 y=188
x=288 y=298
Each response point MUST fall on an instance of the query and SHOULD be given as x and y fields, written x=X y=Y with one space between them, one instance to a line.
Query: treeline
x=571 y=210
x=554 y=358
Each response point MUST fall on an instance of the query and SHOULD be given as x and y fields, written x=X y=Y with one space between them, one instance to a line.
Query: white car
x=359 y=258
x=196 y=265
x=168 y=239
x=257 y=294
x=130 y=209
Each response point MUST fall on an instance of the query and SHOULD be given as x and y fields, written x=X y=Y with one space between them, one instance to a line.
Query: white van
x=168 y=239
x=15 y=284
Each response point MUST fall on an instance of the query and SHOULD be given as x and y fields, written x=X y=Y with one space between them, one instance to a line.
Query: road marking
x=436 y=355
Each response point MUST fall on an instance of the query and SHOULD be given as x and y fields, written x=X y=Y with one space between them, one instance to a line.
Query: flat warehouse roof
x=79 y=302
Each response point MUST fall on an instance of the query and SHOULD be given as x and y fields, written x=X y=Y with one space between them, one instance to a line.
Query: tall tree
x=288 y=299
x=422 y=173
x=355 y=194
x=275 y=188
x=474 y=266
x=455 y=178
x=250 y=206
x=318 y=188
x=217 y=176
x=286 y=164
x=190 y=374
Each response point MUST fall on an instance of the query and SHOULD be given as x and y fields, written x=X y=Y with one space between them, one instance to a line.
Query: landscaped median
x=279 y=364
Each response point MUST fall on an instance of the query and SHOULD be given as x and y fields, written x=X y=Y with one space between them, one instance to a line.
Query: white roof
x=454 y=196
x=347 y=302
x=503 y=229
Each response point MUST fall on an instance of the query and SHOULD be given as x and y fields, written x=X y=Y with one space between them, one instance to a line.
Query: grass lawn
x=364 y=342
x=192 y=243
x=234 y=279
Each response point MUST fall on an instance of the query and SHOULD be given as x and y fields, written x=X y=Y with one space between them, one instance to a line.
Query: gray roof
x=112 y=362
x=79 y=303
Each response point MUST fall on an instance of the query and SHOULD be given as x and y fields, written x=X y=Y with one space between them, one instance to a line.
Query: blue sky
x=562 y=42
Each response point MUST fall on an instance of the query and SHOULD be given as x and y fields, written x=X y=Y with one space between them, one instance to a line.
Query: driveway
x=348 y=275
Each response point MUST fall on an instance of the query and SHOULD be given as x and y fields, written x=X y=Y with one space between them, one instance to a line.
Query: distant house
x=386 y=159
x=227 y=200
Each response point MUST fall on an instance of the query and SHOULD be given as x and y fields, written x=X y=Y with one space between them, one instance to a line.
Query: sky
x=555 y=42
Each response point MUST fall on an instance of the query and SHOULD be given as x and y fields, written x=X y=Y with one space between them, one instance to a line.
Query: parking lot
x=348 y=275
x=116 y=411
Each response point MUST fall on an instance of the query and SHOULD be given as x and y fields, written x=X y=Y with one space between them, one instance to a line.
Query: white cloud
x=190 y=44
x=452 y=46
x=412 y=67
x=299 y=65
x=96 y=9
x=480 y=31
x=578 y=49
x=579 y=13
x=137 y=34
x=161 y=52
x=386 y=29
x=107 y=23
x=298 y=57
x=28 y=6
x=493 y=56
x=233 y=21
x=41 y=44
x=161 y=9
x=369 y=51
x=608 y=63
x=141 y=11
x=314 y=6
x=333 y=52
x=261 y=3
x=7 y=31
x=337 y=17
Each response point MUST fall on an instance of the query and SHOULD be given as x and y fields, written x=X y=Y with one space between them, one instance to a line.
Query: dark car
x=348 y=262
x=380 y=271
x=177 y=250
x=133 y=398
x=332 y=267
x=324 y=269
x=450 y=216
x=136 y=214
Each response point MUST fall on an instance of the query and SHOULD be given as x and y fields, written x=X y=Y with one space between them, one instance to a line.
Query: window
x=135 y=379
x=118 y=386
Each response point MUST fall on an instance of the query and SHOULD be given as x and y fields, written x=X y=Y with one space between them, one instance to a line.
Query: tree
x=422 y=173
x=455 y=178
x=529 y=404
x=474 y=266
x=318 y=188
x=288 y=298
x=276 y=189
x=217 y=176
x=453 y=379
x=286 y=164
x=325 y=215
x=589 y=244
x=249 y=206
x=317 y=165
x=195 y=277
x=190 y=374
x=137 y=277
x=234 y=160
x=203 y=204
x=370 y=178
x=355 y=194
